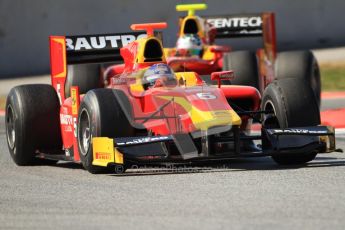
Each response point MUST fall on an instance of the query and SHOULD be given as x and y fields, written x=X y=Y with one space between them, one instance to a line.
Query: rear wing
x=95 y=48
x=229 y=26
x=247 y=25
x=69 y=50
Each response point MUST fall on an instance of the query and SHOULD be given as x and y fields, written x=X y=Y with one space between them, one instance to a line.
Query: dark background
x=26 y=25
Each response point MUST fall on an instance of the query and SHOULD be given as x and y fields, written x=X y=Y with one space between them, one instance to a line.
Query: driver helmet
x=158 y=71
x=189 y=43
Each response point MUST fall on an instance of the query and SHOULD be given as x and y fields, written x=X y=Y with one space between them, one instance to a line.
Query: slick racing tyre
x=102 y=113
x=299 y=64
x=245 y=66
x=32 y=123
x=85 y=76
x=294 y=105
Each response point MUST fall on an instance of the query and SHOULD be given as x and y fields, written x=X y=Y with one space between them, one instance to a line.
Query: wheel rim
x=273 y=123
x=10 y=128
x=84 y=134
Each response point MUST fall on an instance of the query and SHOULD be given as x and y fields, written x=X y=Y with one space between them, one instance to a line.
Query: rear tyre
x=245 y=66
x=102 y=113
x=294 y=105
x=32 y=123
x=85 y=76
x=302 y=65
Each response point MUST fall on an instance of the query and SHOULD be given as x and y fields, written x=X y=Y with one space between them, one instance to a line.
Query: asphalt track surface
x=241 y=194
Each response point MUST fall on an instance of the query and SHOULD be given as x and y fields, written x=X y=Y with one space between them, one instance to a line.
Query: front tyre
x=102 y=113
x=294 y=105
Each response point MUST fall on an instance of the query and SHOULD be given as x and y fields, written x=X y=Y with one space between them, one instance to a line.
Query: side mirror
x=222 y=75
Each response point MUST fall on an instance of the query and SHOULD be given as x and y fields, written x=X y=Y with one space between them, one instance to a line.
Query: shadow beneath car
x=235 y=165
x=69 y=165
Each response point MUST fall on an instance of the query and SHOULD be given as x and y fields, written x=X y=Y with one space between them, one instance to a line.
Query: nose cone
x=203 y=109
x=205 y=120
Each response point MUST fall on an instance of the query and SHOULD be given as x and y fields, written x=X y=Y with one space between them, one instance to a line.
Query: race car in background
x=196 y=50
x=149 y=114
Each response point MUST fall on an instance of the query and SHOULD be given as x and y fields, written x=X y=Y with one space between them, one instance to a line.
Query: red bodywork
x=199 y=65
x=199 y=98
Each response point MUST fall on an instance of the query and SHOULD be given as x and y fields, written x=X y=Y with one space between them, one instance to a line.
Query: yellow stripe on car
x=204 y=120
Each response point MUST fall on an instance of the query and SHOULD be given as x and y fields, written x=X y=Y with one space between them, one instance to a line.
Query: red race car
x=196 y=50
x=149 y=114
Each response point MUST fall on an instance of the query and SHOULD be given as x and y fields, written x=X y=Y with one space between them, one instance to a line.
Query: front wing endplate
x=104 y=152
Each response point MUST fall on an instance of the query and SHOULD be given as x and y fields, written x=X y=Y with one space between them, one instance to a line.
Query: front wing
x=153 y=150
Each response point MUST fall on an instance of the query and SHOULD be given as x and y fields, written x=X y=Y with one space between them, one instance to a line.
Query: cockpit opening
x=190 y=27
x=153 y=51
